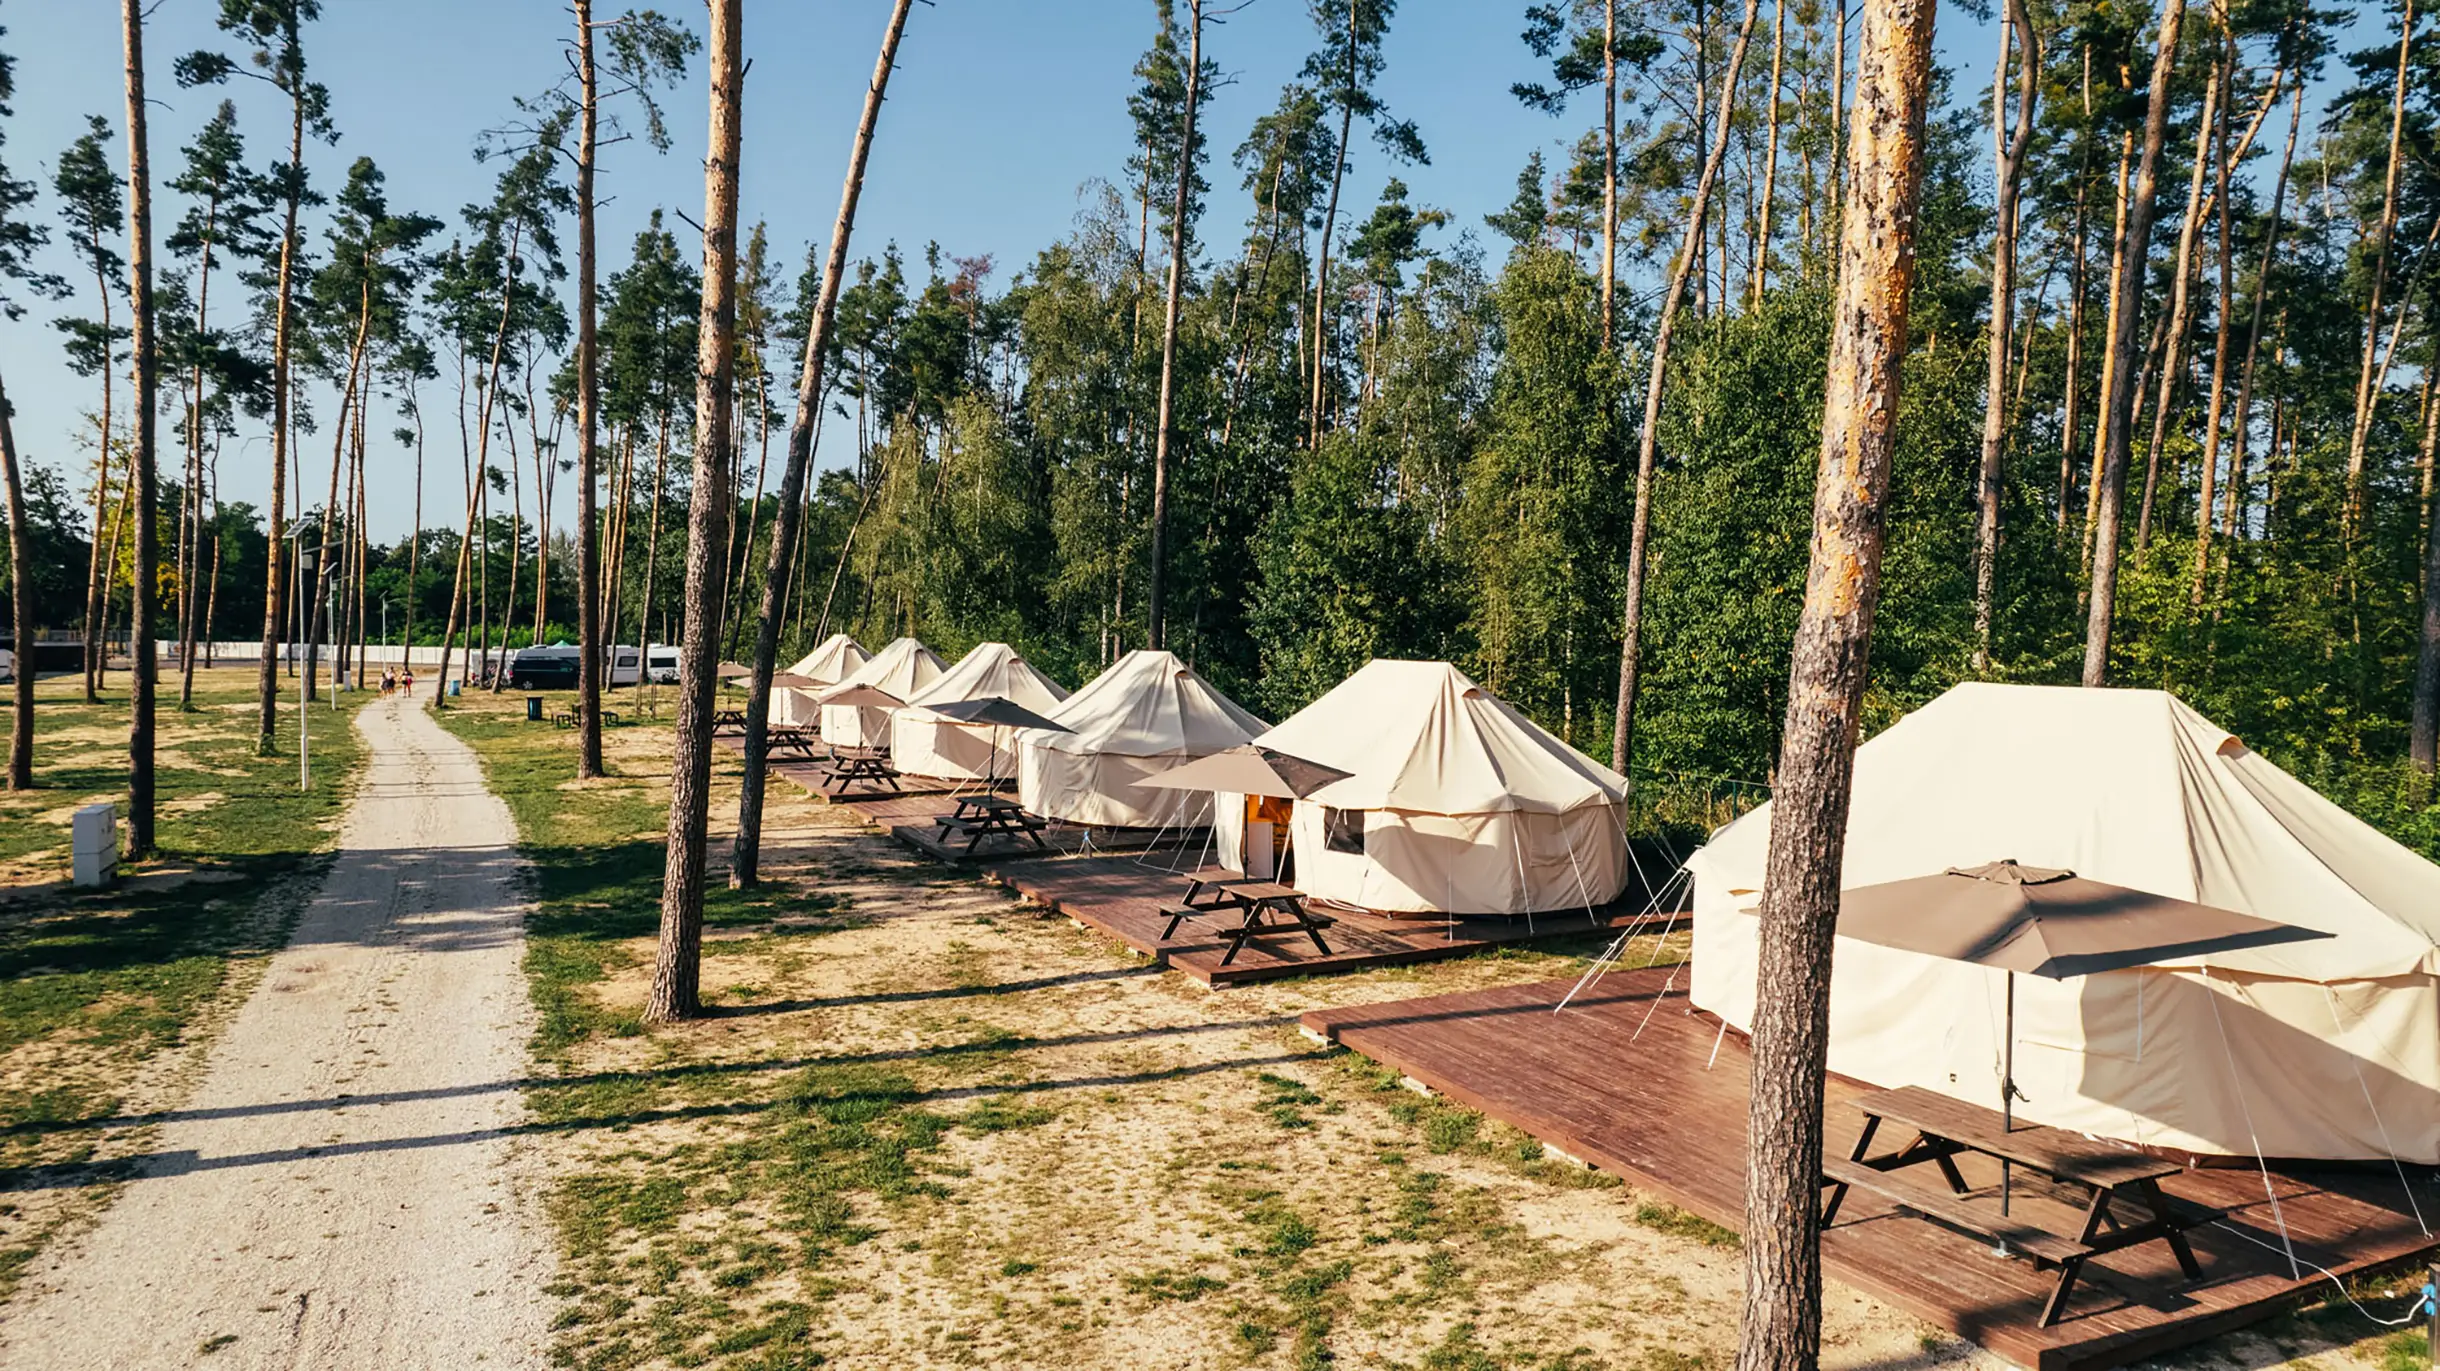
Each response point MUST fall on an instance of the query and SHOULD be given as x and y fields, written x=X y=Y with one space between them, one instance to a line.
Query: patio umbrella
x=999 y=713
x=793 y=681
x=860 y=697
x=2043 y=922
x=1249 y=769
x=730 y=671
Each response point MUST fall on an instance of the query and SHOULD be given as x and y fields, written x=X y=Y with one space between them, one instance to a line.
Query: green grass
x=201 y=754
x=94 y=983
x=806 y=1157
x=597 y=854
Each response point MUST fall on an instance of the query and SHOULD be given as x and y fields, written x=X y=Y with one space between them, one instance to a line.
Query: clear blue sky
x=999 y=112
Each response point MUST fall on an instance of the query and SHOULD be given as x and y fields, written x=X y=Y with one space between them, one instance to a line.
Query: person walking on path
x=341 y=1189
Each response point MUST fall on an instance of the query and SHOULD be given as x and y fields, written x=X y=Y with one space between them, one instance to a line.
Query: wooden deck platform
x=1624 y=1079
x=1122 y=896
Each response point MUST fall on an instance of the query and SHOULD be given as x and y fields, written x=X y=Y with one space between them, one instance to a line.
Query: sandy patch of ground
x=1123 y=1168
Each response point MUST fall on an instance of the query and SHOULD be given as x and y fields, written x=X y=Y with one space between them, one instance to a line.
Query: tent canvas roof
x=1421 y=736
x=832 y=662
x=1148 y=704
x=903 y=668
x=993 y=669
x=2131 y=787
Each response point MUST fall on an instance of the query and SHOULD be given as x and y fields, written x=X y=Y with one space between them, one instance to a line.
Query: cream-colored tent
x=900 y=670
x=1456 y=803
x=831 y=663
x=1147 y=713
x=2328 y=1048
x=923 y=743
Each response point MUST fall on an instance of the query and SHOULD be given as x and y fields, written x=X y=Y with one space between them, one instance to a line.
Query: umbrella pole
x=2007 y=1093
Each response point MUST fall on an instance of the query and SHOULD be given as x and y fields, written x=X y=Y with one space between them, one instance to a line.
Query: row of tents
x=1439 y=798
x=1450 y=800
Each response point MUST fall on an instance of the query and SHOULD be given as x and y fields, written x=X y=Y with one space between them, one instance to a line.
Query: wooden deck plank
x=1626 y=1079
x=1117 y=881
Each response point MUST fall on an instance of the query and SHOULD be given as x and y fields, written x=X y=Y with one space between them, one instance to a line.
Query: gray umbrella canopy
x=859 y=697
x=1248 y=769
x=792 y=681
x=993 y=710
x=731 y=671
x=2045 y=922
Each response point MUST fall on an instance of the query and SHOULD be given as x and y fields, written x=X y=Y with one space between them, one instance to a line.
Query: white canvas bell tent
x=923 y=743
x=1455 y=803
x=2320 y=1049
x=1147 y=713
x=901 y=670
x=832 y=662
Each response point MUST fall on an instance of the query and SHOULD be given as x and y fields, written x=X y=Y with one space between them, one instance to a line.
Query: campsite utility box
x=95 y=831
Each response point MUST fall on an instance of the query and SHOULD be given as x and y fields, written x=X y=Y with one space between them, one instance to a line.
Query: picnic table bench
x=568 y=718
x=977 y=817
x=788 y=738
x=728 y=719
x=1257 y=908
x=869 y=768
x=2105 y=1179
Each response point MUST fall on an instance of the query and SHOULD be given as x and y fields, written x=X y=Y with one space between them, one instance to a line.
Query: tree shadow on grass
x=814 y=1075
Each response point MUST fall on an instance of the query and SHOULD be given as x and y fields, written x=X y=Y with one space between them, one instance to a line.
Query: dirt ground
x=928 y=1125
x=1129 y=1169
x=336 y=1189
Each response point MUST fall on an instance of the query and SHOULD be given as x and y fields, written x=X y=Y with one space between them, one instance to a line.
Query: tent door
x=1259 y=861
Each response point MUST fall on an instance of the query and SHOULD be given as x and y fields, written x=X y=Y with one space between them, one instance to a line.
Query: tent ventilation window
x=1343 y=830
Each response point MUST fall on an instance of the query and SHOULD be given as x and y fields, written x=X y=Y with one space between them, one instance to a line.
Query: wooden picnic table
x=727 y=719
x=789 y=738
x=870 y=768
x=1257 y=907
x=977 y=817
x=2120 y=1190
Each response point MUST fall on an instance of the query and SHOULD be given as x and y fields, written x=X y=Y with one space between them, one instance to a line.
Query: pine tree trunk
x=1770 y=161
x=678 y=963
x=21 y=608
x=596 y=652
x=1156 y=602
x=2367 y=388
x=2225 y=310
x=98 y=566
x=1330 y=219
x=2008 y=162
x=2068 y=425
x=1781 y=1327
x=2109 y=355
x=275 y=582
x=465 y=577
x=146 y=588
x=326 y=564
x=2181 y=295
x=415 y=539
x=745 y=866
x=1609 y=173
x=1689 y=262
x=2119 y=395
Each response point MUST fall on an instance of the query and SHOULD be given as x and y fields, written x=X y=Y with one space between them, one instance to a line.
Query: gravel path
x=339 y=1191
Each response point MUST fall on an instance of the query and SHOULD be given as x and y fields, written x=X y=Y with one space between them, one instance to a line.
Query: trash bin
x=533 y=709
x=453 y=687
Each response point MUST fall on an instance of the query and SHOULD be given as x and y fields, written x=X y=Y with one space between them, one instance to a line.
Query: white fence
x=375 y=654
